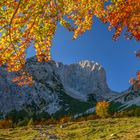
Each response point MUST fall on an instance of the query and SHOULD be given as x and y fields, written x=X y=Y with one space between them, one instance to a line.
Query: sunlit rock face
x=78 y=81
x=84 y=78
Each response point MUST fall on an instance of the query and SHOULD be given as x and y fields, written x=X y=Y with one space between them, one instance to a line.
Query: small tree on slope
x=102 y=109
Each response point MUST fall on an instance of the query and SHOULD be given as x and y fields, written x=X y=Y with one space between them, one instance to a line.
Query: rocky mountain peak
x=53 y=81
x=90 y=64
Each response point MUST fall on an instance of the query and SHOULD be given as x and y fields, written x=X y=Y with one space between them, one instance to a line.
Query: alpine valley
x=60 y=90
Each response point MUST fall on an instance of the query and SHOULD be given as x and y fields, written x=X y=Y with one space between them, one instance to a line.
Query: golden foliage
x=65 y=119
x=124 y=14
x=26 y=22
x=5 y=123
x=102 y=109
x=136 y=81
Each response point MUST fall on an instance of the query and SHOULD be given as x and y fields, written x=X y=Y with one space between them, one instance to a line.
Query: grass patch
x=101 y=129
x=73 y=106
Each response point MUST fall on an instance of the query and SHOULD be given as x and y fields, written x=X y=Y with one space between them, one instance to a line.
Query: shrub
x=102 y=109
x=17 y=116
x=80 y=119
x=128 y=113
x=24 y=122
x=92 y=117
x=51 y=121
x=65 y=119
x=6 y=123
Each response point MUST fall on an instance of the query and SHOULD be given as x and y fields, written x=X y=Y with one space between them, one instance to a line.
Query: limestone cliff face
x=77 y=81
x=84 y=78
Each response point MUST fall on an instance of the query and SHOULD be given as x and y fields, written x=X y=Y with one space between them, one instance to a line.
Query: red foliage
x=5 y=123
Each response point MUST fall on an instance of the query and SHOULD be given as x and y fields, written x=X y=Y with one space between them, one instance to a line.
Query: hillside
x=128 y=99
x=109 y=129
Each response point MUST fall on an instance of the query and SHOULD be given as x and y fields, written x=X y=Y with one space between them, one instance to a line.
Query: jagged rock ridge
x=57 y=87
x=127 y=99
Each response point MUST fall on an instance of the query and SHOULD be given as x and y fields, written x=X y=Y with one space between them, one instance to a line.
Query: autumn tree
x=26 y=22
x=124 y=15
x=136 y=81
x=102 y=109
x=5 y=123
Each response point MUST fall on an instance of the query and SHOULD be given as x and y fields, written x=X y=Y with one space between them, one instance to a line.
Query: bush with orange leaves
x=65 y=119
x=5 y=123
x=136 y=81
x=102 y=109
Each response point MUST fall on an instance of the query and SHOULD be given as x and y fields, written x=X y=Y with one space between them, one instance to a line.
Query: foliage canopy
x=26 y=22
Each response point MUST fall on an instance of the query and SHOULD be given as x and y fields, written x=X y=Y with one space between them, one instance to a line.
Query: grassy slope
x=19 y=133
x=105 y=129
x=72 y=105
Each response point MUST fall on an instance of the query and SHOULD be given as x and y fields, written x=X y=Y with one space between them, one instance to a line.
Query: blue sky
x=117 y=57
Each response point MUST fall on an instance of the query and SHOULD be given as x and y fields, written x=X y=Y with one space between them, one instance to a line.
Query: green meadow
x=100 y=129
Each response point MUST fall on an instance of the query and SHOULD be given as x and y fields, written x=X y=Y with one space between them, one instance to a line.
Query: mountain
x=58 y=89
x=128 y=99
